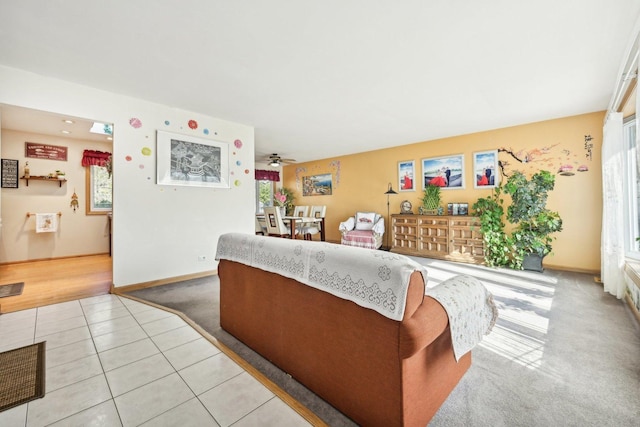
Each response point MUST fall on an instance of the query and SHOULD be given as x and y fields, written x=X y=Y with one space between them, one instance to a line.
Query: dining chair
x=301 y=211
x=261 y=226
x=275 y=224
x=311 y=228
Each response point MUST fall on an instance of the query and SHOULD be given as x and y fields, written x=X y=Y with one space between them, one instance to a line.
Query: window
x=633 y=186
x=264 y=194
x=99 y=190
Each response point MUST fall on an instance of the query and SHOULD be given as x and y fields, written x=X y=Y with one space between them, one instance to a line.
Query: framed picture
x=446 y=172
x=9 y=169
x=316 y=185
x=191 y=161
x=485 y=169
x=406 y=176
x=45 y=151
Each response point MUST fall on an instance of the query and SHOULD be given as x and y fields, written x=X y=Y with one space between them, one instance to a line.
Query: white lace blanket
x=470 y=308
x=373 y=279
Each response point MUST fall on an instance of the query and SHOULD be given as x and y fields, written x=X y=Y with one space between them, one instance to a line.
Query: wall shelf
x=43 y=178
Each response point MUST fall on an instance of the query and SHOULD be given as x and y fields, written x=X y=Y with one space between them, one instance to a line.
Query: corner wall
x=360 y=180
x=159 y=231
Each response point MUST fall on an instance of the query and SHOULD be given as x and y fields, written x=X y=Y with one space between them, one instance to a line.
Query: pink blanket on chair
x=360 y=238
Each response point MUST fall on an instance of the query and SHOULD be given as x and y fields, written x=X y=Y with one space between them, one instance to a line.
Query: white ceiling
x=325 y=78
x=47 y=123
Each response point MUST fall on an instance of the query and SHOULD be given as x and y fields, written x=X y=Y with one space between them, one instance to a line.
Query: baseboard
x=52 y=259
x=572 y=269
x=160 y=282
x=634 y=310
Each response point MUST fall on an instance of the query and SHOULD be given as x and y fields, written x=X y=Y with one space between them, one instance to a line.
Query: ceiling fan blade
x=275 y=158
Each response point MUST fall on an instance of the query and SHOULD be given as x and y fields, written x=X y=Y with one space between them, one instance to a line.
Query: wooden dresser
x=450 y=237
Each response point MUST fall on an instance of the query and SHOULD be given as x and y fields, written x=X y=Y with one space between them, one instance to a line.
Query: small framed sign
x=9 y=173
x=45 y=151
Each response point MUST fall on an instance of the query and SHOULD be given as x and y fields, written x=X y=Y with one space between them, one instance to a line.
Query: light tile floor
x=111 y=361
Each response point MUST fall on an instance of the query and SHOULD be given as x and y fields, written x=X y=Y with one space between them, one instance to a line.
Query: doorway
x=77 y=234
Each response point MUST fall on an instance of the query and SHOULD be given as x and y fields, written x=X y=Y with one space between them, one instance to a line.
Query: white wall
x=158 y=231
x=78 y=234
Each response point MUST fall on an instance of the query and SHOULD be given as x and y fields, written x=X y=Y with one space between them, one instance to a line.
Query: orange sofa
x=375 y=370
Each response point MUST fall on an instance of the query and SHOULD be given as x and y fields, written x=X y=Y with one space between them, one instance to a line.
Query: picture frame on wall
x=9 y=173
x=191 y=161
x=446 y=172
x=406 y=175
x=317 y=185
x=485 y=169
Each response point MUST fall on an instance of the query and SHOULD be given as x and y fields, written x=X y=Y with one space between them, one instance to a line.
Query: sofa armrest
x=378 y=227
x=426 y=324
x=347 y=225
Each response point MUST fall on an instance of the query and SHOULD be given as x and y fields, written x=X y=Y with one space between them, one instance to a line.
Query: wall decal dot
x=135 y=123
x=237 y=183
x=237 y=143
x=238 y=162
x=167 y=122
x=232 y=173
x=141 y=166
x=206 y=131
x=246 y=171
x=193 y=124
x=146 y=151
x=128 y=158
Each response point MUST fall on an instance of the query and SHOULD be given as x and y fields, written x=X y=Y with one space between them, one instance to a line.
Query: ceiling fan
x=275 y=160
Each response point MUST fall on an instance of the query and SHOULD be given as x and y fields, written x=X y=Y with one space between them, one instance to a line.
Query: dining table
x=293 y=220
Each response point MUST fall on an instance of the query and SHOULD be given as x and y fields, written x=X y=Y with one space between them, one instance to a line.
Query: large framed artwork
x=317 y=185
x=191 y=161
x=406 y=176
x=446 y=172
x=485 y=169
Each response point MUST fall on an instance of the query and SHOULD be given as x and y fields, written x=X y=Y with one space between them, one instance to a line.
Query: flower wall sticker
x=193 y=124
x=135 y=123
x=298 y=172
x=336 y=166
x=552 y=157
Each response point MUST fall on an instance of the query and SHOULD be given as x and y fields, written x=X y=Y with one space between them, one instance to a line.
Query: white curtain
x=613 y=206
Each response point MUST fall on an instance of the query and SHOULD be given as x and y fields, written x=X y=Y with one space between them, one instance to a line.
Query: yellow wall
x=360 y=180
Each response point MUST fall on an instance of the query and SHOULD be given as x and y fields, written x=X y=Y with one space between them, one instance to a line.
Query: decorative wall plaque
x=45 y=151
x=9 y=173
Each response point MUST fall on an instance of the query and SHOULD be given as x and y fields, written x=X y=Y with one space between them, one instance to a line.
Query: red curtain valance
x=265 y=175
x=95 y=158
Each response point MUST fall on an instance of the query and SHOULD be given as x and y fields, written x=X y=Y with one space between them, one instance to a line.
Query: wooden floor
x=53 y=281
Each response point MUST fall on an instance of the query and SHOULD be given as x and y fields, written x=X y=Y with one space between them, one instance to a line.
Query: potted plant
x=534 y=222
x=283 y=198
x=60 y=174
x=431 y=200
x=498 y=245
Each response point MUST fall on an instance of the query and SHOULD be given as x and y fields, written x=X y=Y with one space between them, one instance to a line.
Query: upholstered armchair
x=364 y=230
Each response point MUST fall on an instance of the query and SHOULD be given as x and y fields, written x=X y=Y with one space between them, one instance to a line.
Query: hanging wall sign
x=9 y=173
x=45 y=151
